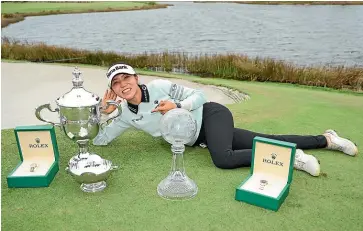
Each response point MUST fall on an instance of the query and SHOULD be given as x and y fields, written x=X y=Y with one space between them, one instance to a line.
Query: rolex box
x=38 y=152
x=270 y=177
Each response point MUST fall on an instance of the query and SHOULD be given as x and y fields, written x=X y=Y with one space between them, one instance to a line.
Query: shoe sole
x=319 y=171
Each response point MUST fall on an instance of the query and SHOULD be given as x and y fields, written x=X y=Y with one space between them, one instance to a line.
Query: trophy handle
x=119 y=111
x=45 y=106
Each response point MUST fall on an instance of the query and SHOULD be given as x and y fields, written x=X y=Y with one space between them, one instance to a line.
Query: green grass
x=35 y=7
x=16 y=12
x=130 y=202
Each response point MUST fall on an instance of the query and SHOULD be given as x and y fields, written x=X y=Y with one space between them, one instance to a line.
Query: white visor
x=118 y=69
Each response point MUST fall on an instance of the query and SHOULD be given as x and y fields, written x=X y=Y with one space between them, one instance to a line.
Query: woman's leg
x=243 y=139
x=231 y=147
x=218 y=132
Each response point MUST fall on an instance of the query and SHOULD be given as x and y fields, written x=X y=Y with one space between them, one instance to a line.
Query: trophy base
x=177 y=186
x=94 y=187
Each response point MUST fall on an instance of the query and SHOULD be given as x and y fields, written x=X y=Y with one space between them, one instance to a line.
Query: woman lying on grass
x=229 y=147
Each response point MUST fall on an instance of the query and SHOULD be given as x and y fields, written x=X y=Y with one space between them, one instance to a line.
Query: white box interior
x=271 y=163
x=273 y=188
x=36 y=147
x=41 y=170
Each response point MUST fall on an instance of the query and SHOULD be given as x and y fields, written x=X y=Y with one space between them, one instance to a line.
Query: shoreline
x=237 y=67
x=314 y=3
x=11 y=18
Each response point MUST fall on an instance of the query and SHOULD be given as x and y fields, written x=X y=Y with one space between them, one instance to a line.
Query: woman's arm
x=190 y=99
x=111 y=131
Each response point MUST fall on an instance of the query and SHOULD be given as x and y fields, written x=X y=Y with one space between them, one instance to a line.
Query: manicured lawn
x=329 y=202
x=34 y=7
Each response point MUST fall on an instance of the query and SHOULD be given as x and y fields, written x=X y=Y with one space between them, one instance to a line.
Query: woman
x=230 y=147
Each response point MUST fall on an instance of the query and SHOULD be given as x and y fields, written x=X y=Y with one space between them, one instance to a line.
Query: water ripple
x=299 y=34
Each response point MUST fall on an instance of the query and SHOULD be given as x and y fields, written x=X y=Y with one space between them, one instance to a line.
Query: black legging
x=231 y=147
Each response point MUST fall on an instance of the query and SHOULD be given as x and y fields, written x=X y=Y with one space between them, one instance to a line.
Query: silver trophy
x=80 y=119
x=178 y=128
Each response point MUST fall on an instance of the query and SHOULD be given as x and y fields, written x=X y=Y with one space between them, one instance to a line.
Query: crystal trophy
x=178 y=127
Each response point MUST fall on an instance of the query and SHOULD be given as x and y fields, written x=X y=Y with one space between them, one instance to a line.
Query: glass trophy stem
x=83 y=148
x=178 y=158
x=177 y=185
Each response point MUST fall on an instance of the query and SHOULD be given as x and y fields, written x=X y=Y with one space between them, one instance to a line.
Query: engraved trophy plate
x=80 y=115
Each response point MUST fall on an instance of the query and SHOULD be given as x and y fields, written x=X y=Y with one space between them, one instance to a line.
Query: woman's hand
x=164 y=107
x=109 y=95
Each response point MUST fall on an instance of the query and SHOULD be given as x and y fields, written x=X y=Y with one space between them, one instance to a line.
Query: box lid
x=37 y=141
x=273 y=157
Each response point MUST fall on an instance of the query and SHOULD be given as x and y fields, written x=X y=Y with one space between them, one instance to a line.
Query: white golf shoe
x=340 y=144
x=307 y=163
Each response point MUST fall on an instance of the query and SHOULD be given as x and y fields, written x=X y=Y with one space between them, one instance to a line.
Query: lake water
x=306 y=35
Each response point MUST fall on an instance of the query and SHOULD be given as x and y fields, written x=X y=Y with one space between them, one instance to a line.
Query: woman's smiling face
x=125 y=86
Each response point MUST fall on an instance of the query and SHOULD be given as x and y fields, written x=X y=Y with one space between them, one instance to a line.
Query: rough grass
x=14 y=12
x=229 y=66
x=330 y=202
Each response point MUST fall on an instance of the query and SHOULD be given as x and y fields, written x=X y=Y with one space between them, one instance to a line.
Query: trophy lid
x=78 y=96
